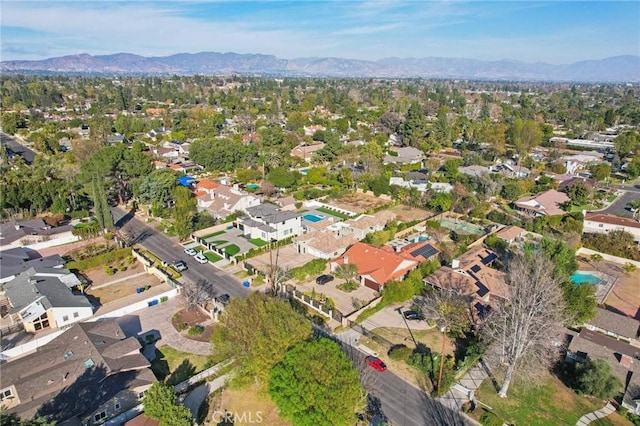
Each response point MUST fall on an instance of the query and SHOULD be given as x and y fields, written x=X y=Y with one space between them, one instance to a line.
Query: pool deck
x=603 y=288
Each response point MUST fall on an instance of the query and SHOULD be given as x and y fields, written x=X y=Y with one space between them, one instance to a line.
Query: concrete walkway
x=463 y=390
x=196 y=397
x=595 y=415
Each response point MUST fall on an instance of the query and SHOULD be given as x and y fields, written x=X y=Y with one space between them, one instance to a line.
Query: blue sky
x=554 y=32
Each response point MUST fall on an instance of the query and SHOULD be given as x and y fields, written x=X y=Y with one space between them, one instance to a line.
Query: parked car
x=376 y=363
x=413 y=315
x=323 y=279
x=224 y=299
x=201 y=258
x=190 y=251
x=180 y=266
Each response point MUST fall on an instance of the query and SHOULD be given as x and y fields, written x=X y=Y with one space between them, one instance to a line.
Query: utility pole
x=442 y=329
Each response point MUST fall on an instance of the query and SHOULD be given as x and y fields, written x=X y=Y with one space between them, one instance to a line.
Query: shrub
x=130 y=260
x=196 y=330
x=400 y=353
x=95 y=261
x=164 y=299
x=122 y=267
x=595 y=377
x=109 y=270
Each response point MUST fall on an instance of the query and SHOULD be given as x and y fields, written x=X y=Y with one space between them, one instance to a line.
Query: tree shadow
x=160 y=366
x=84 y=396
x=125 y=219
x=182 y=373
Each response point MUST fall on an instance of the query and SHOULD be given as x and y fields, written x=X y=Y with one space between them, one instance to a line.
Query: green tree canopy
x=160 y=403
x=595 y=377
x=316 y=384
x=600 y=171
x=257 y=332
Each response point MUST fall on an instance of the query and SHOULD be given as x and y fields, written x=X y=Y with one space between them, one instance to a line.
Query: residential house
x=511 y=234
x=34 y=233
x=267 y=222
x=311 y=130
x=615 y=325
x=41 y=300
x=154 y=133
x=205 y=186
x=474 y=170
x=405 y=155
x=306 y=151
x=566 y=184
x=379 y=266
x=89 y=374
x=419 y=185
x=115 y=139
x=441 y=187
x=323 y=243
x=471 y=275
x=365 y=224
x=546 y=203
x=14 y=261
x=624 y=358
x=510 y=171
x=224 y=200
x=603 y=223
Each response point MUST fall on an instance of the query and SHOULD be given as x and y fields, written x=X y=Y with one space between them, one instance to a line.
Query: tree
x=12 y=419
x=102 y=210
x=595 y=377
x=316 y=384
x=184 y=211
x=197 y=294
x=524 y=333
x=629 y=268
x=414 y=127
x=440 y=202
x=257 y=332
x=580 y=302
x=601 y=171
x=579 y=193
x=160 y=403
x=347 y=271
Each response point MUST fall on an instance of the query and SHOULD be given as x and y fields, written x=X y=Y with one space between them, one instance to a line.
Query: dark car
x=323 y=279
x=180 y=266
x=376 y=363
x=224 y=299
x=413 y=315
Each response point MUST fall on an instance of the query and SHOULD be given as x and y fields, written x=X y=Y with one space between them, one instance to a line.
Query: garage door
x=372 y=285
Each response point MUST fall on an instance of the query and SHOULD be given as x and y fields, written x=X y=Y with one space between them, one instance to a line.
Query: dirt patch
x=249 y=402
x=409 y=214
x=125 y=288
x=97 y=276
x=359 y=202
x=185 y=319
x=625 y=295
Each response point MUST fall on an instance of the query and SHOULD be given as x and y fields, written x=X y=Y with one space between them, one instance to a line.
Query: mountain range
x=619 y=69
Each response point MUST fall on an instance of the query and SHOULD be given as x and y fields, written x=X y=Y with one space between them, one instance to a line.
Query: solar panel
x=426 y=251
x=487 y=260
x=475 y=268
x=482 y=289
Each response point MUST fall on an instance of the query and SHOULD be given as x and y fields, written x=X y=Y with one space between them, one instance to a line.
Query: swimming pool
x=584 y=278
x=253 y=186
x=312 y=217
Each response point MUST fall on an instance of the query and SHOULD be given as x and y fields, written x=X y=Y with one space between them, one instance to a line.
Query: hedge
x=99 y=260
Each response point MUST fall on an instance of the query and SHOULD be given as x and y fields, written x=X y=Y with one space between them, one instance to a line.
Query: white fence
x=30 y=346
x=181 y=387
x=315 y=204
x=136 y=306
x=609 y=257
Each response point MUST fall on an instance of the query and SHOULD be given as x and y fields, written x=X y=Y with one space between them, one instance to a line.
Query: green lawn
x=549 y=403
x=333 y=213
x=212 y=257
x=218 y=242
x=175 y=366
x=212 y=235
x=258 y=242
x=232 y=249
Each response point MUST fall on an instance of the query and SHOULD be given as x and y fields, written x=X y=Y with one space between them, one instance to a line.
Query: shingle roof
x=12 y=263
x=270 y=213
x=616 y=323
x=58 y=380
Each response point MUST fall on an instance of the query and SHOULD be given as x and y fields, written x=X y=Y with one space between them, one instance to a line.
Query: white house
x=267 y=222
x=223 y=200
x=602 y=223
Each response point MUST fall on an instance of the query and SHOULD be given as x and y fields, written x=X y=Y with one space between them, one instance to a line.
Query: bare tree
x=524 y=334
x=277 y=277
x=197 y=294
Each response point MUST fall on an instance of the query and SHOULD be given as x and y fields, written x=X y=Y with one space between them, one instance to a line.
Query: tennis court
x=461 y=226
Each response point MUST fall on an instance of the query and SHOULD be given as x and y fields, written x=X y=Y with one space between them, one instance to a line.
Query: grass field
x=175 y=366
x=214 y=234
x=333 y=213
x=258 y=242
x=250 y=401
x=232 y=249
x=212 y=257
x=549 y=403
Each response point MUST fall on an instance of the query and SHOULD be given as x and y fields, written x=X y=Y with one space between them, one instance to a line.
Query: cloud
x=369 y=29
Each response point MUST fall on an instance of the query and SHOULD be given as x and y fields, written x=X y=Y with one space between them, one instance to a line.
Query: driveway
x=620 y=207
x=392 y=318
x=158 y=319
x=342 y=299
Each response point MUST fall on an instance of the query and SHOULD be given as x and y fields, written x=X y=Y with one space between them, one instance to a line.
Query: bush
x=164 y=299
x=109 y=270
x=130 y=260
x=398 y=291
x=400 y=353
x=595 y=377
x=95 y=261
x=195 y=330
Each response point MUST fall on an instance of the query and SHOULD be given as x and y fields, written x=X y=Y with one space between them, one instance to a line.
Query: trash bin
x=139 y=290
x=246 y=284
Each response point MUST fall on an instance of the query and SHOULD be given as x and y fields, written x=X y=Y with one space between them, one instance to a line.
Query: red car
x=376 y=363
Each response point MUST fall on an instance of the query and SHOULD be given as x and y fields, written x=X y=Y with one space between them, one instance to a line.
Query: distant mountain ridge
x=618 y=69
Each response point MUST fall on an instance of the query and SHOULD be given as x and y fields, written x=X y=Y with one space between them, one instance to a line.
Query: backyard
x=359 y=202
x=174 y=366
x=249 y=400
x=550 y=402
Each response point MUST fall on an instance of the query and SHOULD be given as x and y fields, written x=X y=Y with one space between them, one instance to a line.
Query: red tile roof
x=612 y=219
x=382 y=265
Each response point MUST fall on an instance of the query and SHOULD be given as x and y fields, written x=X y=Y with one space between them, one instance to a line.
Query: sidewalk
x=463 y=390
x=595 y=415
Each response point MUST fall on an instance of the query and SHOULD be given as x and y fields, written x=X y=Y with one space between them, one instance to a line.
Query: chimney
x=455 y=264
x=17 y=226
x=345 y=260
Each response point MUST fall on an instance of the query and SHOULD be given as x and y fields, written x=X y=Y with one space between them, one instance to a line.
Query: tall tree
x=414 y=127
x=101 y=208
x=160 y=403
x=316 y=384
x=524 y=334
x=257 y=332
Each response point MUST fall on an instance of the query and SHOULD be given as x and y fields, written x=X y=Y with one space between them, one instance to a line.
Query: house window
x=41 y=322
x=600 y=226
x=89 y=363
x=65 y=318
x=142 y=394
x=117 y=406
x=76 y=314
x=5 y=394
x=99 y=416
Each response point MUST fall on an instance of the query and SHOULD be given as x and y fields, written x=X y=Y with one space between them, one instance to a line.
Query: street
x=620 y=207
x=17 y=148
x=170 y=251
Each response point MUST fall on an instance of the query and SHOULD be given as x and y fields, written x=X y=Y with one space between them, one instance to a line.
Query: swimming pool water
x=312 y=218
x=584 y=278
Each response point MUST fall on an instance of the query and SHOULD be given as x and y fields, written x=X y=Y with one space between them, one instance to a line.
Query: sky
x=556 y=32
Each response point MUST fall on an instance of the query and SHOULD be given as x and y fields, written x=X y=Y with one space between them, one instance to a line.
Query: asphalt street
x=18 y=148
x=620 y=207
x=170 y=251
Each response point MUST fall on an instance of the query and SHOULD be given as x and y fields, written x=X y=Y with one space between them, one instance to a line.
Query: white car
x=200 y=258
x=190 y=251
